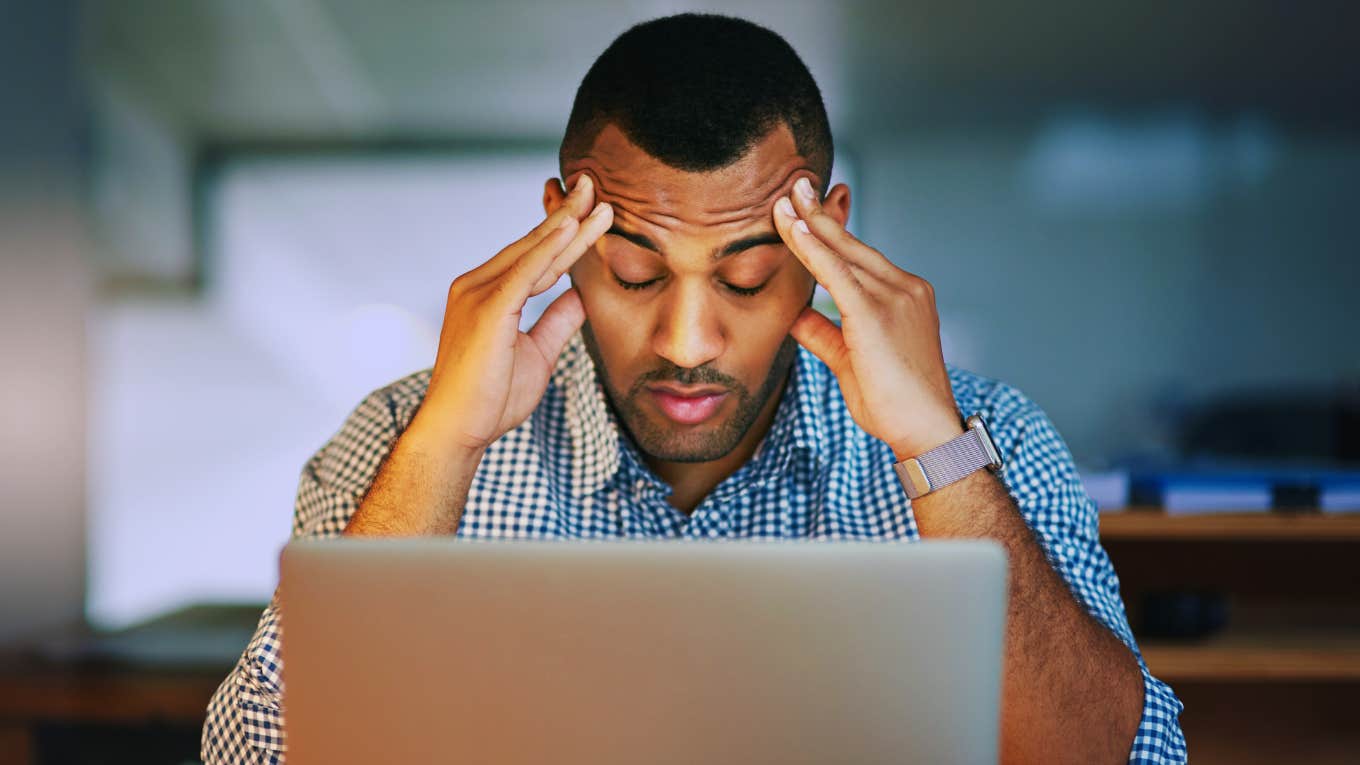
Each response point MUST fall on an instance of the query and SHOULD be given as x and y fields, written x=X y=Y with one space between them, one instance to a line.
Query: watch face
x=980 y=425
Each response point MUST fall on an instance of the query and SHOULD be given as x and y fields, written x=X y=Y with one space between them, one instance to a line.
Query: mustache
x=682 y=376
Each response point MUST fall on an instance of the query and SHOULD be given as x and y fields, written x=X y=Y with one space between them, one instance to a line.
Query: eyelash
x=742 y=291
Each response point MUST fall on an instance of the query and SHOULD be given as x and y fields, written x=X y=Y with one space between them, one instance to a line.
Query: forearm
x=420 y=490
x=1071 y=690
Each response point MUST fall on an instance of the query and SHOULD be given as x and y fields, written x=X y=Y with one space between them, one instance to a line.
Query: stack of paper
x=1340 y=495
x=1205 y=495
x=1207 y=487
x=1109 y=488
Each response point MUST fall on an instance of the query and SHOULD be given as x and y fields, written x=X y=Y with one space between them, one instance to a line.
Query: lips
x=688 y=406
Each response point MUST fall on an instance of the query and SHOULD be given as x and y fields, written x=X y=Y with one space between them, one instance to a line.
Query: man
x=684 y=387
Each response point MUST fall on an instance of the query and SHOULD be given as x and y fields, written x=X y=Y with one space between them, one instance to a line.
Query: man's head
x=691 y=127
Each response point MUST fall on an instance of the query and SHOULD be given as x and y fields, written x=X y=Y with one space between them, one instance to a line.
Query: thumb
x=560 y=320
x=820 y=335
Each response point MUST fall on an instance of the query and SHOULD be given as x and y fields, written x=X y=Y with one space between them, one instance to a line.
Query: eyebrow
x=731 y=248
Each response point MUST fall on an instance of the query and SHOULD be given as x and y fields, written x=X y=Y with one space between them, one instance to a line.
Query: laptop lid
x=441 y=650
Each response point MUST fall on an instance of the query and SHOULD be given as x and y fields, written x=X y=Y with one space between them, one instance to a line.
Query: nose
x=688 y=333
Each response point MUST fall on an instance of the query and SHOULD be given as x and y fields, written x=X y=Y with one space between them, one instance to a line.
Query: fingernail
x=599 y=209
x=804 y=189
x=801 y=226
x=785 y=208
x=581 y=183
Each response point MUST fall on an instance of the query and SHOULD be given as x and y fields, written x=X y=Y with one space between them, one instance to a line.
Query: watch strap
x=949 y=462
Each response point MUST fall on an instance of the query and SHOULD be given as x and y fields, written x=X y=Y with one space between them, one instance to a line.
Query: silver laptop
x=423 y=651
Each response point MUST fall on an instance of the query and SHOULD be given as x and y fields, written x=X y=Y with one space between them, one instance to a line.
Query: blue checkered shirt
x=568 y=472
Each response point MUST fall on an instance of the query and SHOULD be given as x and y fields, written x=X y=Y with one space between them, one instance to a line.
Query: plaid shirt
x=568 y=472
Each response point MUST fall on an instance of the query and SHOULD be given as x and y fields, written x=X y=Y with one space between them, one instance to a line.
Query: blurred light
x=327 y=280
x=1087 y=164
x=382 y=342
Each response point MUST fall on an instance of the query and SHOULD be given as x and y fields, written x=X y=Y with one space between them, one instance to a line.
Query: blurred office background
x=225 y=221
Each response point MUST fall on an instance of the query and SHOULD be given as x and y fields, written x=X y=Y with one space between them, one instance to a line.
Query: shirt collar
x=593 y=438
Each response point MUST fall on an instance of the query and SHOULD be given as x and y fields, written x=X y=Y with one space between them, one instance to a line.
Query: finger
x=515 y=283
x=577 y=204
x=830 y=231
x=560 y=320
x=829 y=269
x=820 y=335
x=592 y=228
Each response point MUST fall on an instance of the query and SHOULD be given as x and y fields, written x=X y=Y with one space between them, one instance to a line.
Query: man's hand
x=488 y=375
x=1064 y=671
x=886 y=354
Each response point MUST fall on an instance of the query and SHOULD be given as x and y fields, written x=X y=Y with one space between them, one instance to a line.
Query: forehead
x=643 y=187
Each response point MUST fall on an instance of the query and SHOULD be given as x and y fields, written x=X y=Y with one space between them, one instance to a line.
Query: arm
x=421 y=489
x=487 y=378
x=1072 y=683
x=1075 y=689
x=244 y=723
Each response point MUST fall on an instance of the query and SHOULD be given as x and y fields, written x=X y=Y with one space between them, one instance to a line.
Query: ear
x=837 y=203
x=553 y=195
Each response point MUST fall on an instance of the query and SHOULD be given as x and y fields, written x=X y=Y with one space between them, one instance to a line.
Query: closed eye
x=733 y=289
x=636 y=285
x=744 y=291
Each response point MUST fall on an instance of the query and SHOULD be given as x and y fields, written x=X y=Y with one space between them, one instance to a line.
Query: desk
x=1280 y=685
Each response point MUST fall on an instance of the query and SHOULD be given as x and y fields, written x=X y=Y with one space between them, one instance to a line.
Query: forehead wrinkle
x=629 y=216
x=619 y=200
x=784 y=173
x=759 y=208
x=715 y=252
x=654 y=211
x=648 y=210
x=611 y=181
x=603 y=189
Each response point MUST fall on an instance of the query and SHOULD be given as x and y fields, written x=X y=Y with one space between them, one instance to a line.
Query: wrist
x=927 y=438
x=421 y=488
x=439 y=445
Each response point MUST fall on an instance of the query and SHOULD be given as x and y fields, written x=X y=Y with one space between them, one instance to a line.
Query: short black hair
x=697 y=92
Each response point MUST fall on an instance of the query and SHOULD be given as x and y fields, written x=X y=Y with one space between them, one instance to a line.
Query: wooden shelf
x=1278 y=654
x=1154 y=524
x=1280 y=684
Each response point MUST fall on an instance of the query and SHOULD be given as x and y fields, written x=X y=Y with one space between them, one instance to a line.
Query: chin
x=661 y=439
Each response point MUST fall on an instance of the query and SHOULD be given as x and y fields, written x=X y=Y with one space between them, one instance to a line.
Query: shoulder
x=1011 y=416
x=1037 y=463
x=352 y=455
x=397 y=401
x=987 y=395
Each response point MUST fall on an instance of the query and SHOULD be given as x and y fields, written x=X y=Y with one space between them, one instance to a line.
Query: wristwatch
x=950 y=461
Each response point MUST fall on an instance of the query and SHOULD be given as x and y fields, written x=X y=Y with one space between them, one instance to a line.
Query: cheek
x=790 y=292
x=756 y=344
x=618 y=333
x=590 y=278
x=802 y=279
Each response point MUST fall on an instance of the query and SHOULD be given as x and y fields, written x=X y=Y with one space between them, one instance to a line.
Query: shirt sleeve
x=1043 y=479
x=244 y=723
